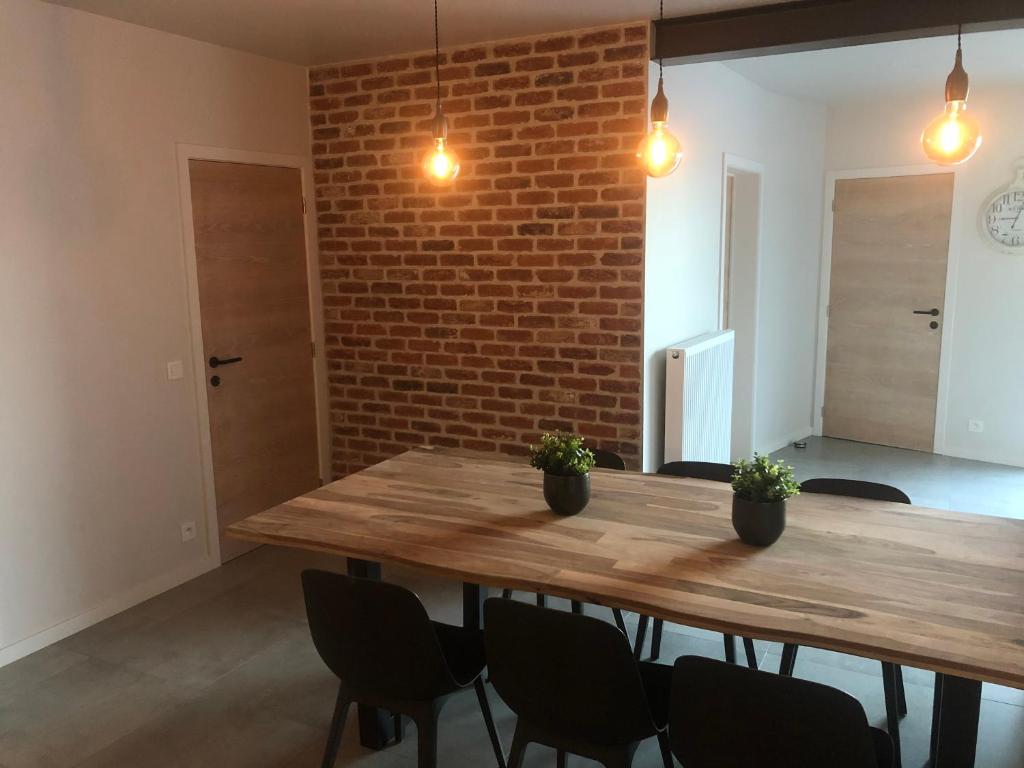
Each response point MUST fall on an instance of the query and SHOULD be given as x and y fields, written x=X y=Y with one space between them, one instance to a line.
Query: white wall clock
x=1002 y=216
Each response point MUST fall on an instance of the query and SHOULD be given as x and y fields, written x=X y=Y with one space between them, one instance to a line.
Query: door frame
x=186 y=152
x=949 y=304
x=741 y=165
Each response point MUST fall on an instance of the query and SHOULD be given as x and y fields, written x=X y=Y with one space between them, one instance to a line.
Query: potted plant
x=759 y=505
x=566 y=465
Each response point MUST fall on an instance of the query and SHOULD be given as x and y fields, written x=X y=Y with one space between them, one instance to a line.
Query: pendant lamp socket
x=957 y=82
x=659 y=105
x=439 y=125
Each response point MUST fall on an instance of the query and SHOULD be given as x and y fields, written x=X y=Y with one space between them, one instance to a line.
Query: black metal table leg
x=955 y=724
x=473 y=596
x=376 y=726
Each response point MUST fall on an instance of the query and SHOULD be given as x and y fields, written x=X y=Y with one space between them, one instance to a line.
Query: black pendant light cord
x=959 y=30
x=661 y=17
x=437 y=58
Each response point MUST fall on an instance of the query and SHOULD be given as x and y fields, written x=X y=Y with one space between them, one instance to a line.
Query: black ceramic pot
x=566 y=494
x=758 y=523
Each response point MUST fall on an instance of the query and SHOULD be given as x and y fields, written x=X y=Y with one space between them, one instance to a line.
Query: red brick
x=479 y=316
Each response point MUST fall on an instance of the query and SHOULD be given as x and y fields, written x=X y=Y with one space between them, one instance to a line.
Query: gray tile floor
x=220 y=672
x=930 y=480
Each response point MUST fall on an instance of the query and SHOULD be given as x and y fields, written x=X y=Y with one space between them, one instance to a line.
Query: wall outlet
x=175 y=370
x=976 y=426
x=188 y=531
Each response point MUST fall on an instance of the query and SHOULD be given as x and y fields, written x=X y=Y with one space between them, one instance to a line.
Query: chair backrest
x=571 y=675
x=728 y=716
x=700 y=470
x=376 y=637
x=607 y=459
x=860 y=489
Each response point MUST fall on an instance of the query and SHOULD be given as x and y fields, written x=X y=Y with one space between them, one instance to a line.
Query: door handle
x=215 y=361
x=933 y=312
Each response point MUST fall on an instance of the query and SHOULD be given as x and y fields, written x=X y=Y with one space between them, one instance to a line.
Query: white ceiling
x=861 y=72
x=323 y=31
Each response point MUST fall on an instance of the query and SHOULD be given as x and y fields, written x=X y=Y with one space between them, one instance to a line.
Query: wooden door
x=254 y=302
x=889 y=249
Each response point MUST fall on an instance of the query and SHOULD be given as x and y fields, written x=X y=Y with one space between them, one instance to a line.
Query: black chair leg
x=492 y=732
x=562 y=759
x=426 y=735
x=892 y=717
x=788 y=663
x=751 y=652
x=341 y=708
x=730 y=648
x=901 y=693
x=577 y=607
x=666 y=749
x=936 y=714
x=659 y=627
x=619 y=621
x=542 y=600
x=641 y=636
x=507 y=594
x=519 y=742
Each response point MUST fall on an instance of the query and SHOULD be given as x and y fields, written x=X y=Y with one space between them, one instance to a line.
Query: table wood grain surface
x=923 y=587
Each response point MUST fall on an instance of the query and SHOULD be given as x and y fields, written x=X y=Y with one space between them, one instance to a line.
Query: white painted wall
x=99 y=456
x=716 y=111
x=987 y=364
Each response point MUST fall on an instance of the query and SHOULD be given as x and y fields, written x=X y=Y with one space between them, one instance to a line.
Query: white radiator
x=698 y=398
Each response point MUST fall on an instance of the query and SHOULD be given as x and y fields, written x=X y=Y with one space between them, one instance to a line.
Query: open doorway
x=739 y=270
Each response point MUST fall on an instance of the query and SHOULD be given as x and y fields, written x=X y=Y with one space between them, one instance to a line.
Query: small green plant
x=561 y=454
x=763 y=480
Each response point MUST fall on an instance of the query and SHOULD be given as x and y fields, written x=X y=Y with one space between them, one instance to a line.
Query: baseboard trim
x=107 y=608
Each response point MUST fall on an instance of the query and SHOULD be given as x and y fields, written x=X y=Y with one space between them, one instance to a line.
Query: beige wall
x=715 y=111
x=986 y=367
x=99 y=456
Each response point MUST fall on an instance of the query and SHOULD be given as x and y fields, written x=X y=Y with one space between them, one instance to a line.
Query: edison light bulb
x=441 y=164
x=952 y=137
x=659 y=152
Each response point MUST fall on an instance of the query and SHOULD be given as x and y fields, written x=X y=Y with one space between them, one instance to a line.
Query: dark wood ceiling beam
x=808 y=25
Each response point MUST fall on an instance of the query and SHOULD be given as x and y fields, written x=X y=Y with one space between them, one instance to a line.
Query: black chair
x=604 y=460
x=892 y=674
x=699 y=470
x=608 y=459
x=574 y=685
x=719 y=473
x=726 y=716
x=377 y=638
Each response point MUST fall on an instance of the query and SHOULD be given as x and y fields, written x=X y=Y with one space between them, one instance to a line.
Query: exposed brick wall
x=510 y=304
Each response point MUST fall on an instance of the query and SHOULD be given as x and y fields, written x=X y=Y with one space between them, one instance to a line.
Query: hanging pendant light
x=441 y=165
x=954 y=136
x=659 y=152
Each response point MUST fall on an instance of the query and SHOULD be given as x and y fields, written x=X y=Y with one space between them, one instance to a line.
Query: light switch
x=175 y=370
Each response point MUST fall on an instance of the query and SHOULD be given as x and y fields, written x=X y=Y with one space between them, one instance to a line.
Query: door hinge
x=828 y=310
x=303 y=203
x=833 y=205
x=312 y=348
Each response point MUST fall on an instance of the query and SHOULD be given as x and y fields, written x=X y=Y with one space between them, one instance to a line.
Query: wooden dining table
x=927 y=588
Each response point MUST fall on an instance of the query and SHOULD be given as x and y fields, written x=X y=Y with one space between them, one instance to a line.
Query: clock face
x=1003 y=219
